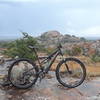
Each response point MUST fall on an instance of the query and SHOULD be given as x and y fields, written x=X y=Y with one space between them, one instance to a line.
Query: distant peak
x=53 y=33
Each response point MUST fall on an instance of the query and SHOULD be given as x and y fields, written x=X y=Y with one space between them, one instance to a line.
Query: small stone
x=9 y=96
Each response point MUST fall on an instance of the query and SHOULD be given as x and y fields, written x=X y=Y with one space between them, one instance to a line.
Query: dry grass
x=93 y=69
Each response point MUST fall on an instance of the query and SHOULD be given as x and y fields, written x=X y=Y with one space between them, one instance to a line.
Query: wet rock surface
x=50 y=89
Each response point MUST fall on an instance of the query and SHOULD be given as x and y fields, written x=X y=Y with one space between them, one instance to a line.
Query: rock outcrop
x=51 y=38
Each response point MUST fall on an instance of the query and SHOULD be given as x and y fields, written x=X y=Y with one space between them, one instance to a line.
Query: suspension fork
x=65 y=62
x=67 y=67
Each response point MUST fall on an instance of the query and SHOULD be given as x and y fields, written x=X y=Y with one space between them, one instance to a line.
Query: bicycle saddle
x=33 y=47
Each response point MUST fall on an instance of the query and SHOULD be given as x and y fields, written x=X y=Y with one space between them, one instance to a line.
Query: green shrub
x=20 y=47
x=49 y=50
x=75 y=51
x=67 y=52
x=95 y=58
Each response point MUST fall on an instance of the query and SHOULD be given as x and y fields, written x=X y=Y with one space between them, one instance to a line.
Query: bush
x=20 y=47
x=95 y=58
x=49 y=50
x=76 y=51
x=67 y=52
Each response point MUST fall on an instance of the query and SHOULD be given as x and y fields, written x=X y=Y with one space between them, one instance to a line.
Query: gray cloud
x=36 y=17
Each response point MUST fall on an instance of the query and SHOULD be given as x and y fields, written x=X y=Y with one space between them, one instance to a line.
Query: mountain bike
x=70 y=72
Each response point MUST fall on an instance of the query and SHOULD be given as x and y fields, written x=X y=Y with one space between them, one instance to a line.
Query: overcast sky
x=77 y=17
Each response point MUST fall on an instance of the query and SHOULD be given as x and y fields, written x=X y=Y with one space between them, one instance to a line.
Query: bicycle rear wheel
x=23 y=73
x=71 y=72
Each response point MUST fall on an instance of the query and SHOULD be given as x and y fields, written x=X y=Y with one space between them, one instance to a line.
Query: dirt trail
x=50 y=89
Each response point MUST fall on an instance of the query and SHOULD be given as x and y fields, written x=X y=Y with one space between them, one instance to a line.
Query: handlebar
x=59 y=46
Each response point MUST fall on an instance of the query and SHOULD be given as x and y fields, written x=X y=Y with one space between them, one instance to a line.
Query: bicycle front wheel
x=71 y=72
x=23 y=73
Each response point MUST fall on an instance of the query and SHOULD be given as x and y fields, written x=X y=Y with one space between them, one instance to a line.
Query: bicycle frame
x=25 y=77
x=54 y=55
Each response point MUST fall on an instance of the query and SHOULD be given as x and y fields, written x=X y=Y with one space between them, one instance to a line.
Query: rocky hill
x=50 y=38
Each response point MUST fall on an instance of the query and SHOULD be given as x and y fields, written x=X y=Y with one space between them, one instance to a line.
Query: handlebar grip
x=60 y=46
